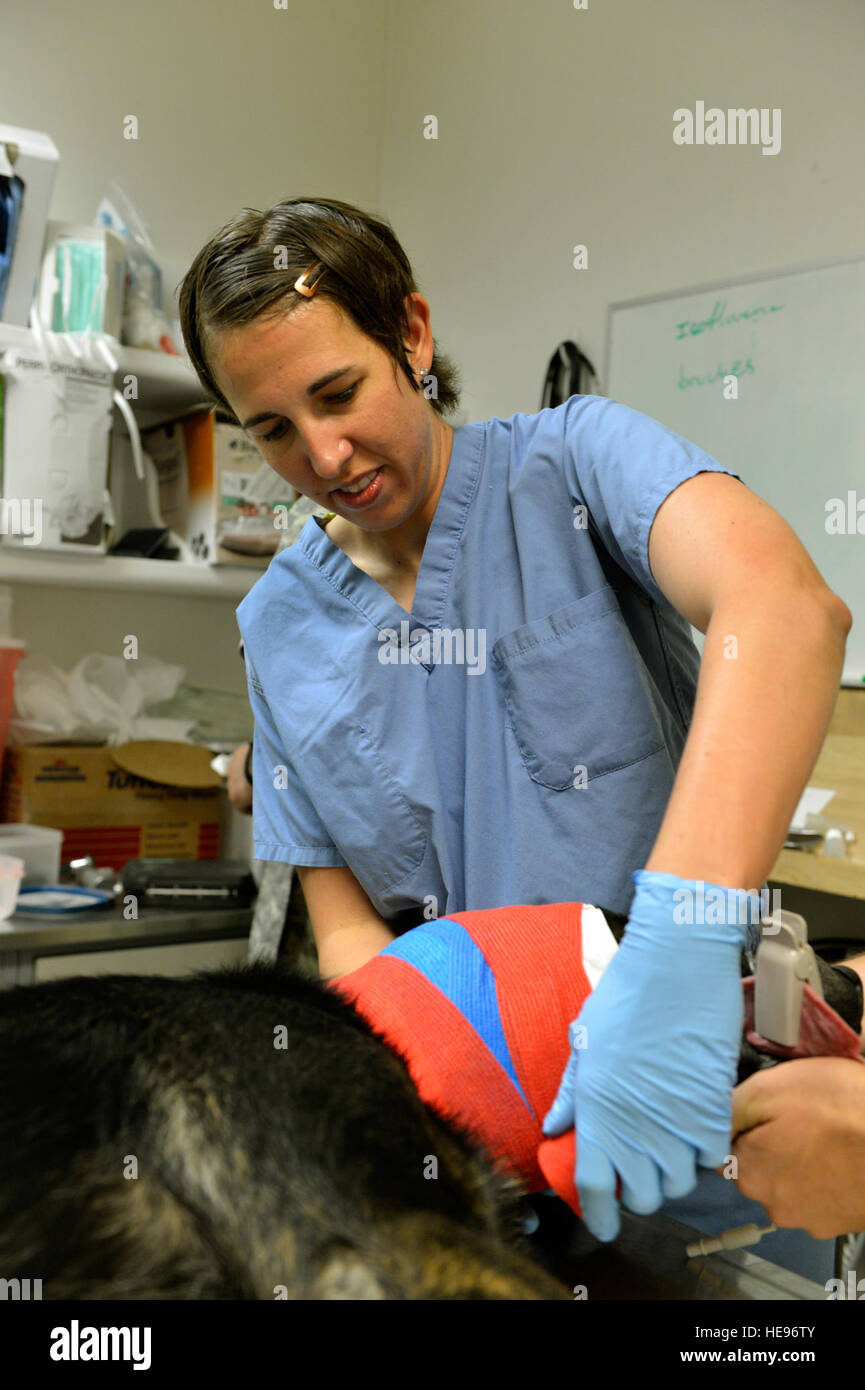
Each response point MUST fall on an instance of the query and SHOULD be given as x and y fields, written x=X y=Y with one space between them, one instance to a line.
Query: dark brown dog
x=235 y=1134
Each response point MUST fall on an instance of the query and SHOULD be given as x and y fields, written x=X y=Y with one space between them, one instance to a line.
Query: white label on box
x=235 y=486
x=267 y=486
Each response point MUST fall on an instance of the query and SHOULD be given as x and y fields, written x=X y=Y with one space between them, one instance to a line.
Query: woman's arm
x=347 y=929
x=772 y=663
x=238 y=785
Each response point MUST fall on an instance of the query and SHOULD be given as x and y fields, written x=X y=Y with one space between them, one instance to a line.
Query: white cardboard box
x=216 y=492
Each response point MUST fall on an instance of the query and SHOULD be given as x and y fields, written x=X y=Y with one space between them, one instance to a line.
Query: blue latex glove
x=655 y=1050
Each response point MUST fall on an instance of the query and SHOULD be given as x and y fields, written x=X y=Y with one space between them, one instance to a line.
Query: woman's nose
x=327 y=449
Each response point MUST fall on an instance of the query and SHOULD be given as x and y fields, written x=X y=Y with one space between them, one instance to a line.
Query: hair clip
x=305 y=289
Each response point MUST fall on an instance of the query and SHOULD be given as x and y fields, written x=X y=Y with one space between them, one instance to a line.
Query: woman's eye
x=344 y=395
x=279 y=430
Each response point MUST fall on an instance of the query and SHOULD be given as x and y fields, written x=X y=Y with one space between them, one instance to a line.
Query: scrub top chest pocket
x=576 y=693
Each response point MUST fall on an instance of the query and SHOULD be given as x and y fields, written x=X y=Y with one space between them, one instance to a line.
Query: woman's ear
x=419 y=346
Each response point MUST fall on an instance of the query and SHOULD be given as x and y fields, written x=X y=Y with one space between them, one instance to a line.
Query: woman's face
x=321 y=435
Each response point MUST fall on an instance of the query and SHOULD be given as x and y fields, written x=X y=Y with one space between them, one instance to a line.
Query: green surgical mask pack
x=79 y=302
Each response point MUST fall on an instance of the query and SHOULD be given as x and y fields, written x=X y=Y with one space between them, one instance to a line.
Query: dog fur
x=235 y=1134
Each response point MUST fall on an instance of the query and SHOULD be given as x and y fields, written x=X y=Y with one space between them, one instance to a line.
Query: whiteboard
x=796 y=434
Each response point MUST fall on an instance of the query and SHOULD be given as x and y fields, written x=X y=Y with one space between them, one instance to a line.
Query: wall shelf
x=30 y=565
x=167 y=385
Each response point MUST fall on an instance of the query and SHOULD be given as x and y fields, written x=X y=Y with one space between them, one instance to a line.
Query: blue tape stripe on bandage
x=445 y=953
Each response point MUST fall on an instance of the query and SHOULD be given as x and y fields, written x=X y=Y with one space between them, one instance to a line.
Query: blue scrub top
x=515 y=739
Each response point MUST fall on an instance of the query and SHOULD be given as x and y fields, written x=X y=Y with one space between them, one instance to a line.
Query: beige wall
x=555 y=127
x=238 y=104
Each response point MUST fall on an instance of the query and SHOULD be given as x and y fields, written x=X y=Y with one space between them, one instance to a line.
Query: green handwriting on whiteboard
x=719 y=318
x=738 y=369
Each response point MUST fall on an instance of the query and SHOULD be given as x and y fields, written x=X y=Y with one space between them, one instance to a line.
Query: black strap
x=569 y=362
x=616 y=922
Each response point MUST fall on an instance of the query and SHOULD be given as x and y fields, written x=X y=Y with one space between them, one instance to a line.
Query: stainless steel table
x=24 y=938
x=648 y=1262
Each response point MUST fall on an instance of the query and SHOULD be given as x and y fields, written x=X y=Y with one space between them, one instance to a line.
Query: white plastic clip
x=785 y=964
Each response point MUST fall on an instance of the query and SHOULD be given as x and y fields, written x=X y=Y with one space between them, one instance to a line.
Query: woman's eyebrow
x=310 y=391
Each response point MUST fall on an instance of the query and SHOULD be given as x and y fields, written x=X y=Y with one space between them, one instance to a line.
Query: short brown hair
x=233 y=280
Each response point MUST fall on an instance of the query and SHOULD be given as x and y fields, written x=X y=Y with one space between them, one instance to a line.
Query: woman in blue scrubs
x=473 y=678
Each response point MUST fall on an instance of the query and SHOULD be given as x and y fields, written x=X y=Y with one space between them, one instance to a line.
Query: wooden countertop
x=841 y=766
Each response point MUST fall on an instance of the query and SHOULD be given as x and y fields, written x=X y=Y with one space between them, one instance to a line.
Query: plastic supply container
x=37 y=845
x=10 y=653
x=11 y=874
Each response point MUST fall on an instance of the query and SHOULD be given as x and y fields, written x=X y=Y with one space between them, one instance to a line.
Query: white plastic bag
x=102 y=700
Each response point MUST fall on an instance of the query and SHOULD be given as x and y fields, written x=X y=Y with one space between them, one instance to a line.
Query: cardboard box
x=216 y=492
x=144 y=799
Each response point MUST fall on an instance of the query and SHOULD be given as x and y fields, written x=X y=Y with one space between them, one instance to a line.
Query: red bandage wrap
x=534 y=957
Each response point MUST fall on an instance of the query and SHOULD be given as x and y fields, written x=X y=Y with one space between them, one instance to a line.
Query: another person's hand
x=237 y=785
x=654 y=1059
x=800 y=1144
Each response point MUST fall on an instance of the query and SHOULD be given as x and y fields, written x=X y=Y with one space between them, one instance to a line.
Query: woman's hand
x=655 y=1051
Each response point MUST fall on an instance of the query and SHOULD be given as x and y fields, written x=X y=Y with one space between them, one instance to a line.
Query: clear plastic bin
x=11 y=871
x=38 y=845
